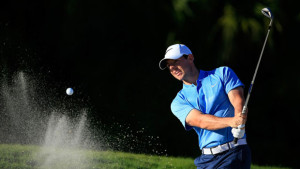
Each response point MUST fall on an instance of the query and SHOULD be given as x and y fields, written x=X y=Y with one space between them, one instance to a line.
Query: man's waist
x=223 y=147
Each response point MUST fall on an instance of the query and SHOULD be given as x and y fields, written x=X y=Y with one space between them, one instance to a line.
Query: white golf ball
x=69 y=91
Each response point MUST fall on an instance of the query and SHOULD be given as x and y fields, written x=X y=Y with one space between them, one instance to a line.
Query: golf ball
x=69 y=91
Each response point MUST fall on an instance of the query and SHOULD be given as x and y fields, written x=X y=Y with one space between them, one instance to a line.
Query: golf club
x=267 y=13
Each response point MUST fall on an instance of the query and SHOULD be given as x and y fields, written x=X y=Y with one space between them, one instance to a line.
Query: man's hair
x=185 y=56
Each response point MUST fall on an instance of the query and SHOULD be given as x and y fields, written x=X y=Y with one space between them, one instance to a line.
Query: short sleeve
x=230 y=79
x=181 y=108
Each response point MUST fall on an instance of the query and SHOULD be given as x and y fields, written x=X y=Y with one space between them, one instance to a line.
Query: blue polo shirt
x=210 y=97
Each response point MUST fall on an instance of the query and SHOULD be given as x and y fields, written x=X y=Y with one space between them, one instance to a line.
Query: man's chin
x=180 y=78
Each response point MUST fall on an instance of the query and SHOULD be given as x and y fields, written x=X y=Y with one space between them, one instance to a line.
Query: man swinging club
x=211 y=103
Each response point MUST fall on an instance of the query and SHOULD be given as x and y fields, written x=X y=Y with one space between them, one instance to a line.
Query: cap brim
x=163 y=64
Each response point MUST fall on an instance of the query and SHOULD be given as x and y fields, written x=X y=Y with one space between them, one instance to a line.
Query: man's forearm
x=236 y=97
x=211 y=122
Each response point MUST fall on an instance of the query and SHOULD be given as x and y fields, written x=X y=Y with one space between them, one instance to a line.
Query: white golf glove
x=238 y=132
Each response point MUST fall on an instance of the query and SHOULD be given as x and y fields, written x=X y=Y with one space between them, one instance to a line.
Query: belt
x=223 y=147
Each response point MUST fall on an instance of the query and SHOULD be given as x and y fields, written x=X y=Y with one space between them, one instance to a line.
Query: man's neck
x=192 y=78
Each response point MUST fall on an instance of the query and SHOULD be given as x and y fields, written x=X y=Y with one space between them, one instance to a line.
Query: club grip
x=235 y=140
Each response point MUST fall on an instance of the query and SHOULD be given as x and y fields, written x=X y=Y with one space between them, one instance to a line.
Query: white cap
x=174 y=52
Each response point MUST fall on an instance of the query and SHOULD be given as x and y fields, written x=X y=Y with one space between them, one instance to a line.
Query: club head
x=267 y=13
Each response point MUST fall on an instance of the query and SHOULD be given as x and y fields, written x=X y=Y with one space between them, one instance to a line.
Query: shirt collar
x=200 y=78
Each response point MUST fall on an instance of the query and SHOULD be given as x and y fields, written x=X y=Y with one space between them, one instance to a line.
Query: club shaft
x=254 y=76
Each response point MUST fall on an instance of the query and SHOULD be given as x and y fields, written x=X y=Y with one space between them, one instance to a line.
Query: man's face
x=179 y=67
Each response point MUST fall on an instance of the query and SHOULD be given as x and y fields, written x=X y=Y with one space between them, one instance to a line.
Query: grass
x=35 y=157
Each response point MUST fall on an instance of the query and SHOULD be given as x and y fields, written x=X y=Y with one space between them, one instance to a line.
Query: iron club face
x=267 y=13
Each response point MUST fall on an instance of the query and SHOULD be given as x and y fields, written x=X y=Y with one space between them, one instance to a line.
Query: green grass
x=28 y=157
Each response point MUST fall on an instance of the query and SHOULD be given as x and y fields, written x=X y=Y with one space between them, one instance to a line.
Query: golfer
x=210 y=102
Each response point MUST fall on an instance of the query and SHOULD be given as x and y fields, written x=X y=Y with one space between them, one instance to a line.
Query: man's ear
x=191 y=57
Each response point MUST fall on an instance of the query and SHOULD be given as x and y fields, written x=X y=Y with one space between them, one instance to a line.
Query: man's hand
x=238 y=120
x=238 y=132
